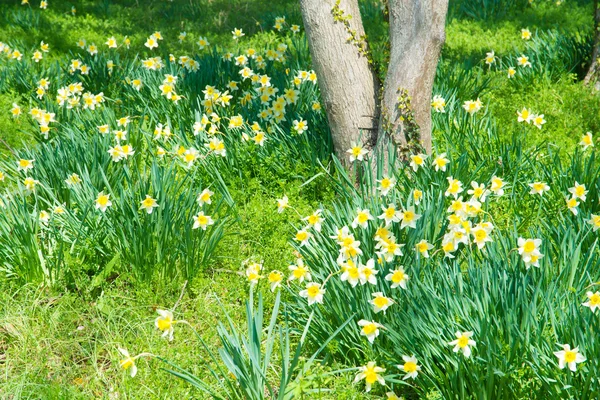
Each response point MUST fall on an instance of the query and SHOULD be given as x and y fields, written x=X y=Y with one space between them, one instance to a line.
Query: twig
x=8 y=147
x=180 y=296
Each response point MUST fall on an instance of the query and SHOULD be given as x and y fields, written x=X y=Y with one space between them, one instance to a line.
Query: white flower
x=568 y=357
x=440 y=162
x=587 y=141
x=538 y=188
x=593 y=301
x=282 y=204
x=368 y=273
x=128 y=362
x=417 y=160
x=370 y=373
x=370 y=329
x=409 y=218
x=164 y=322
x=362 y=218
x=463 y=343
x=411 y=367
x=202 y=221
x=390 y=214
x=103 y=201
x=398 y=278
x=148 y=204
x=313 y=293
x=386 y=184
x=357 y=152
x=578 y=191
x=380 y=302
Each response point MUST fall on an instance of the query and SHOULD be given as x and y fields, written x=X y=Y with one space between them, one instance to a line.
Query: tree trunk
x=593 y=73
x=349 y=87
x=417 y=33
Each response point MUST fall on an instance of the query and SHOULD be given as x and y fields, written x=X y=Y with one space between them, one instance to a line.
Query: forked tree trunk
x=417 y=33
x=593 y=74
x=349 y=87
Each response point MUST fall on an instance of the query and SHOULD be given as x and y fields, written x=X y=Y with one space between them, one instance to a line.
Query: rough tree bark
x=355 y=105
x=348 y=86
x=417 y=33
x=593 y=74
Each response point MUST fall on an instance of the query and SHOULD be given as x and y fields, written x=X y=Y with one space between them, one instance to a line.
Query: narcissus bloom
x=314 y=220
x=398 y=278
x=490 y=57
x=282 y=204
x=497 y=186
x=463 y=343
x=525 y=34
x=357 y=152
x=529 y=251
x=538 y=121
x=237 y=33
x=15 y=110
x=24 y=165
x=313 y=293
x=30 y=183
x=568 y=357
x=275 y=278
x=148 y=204
x=303 y=236
x=409 y=218
x=524 y=116
x=438 y=103
x=202 y=221
x=411 y=367
x=472 y=106
x=380 y=302
x=417 y=160
x=479 y=192
x=454 y=187
x=390 y=214
x=440 y=162
x=594 y=221
x=523 y=61
x=204 y=197
x=351 y=272
x=371 y=374
x=299 y=271
x=578 y=191
x=368 y=273
x=300 y=126
x=253 y=273
x=417 y=196
x=572 y=204
x=128 y=362
x=593 y=301
x=481 y=234
x=538 y=188
x=511 y=72
x=386 y=184
x=423 y=248
x=370 y=329
x=111 y=43
x=103 y=201
x=362 y=218
x=164 y=322
x=587 y=140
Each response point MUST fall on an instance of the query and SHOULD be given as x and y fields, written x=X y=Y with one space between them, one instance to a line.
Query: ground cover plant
x=173 y=222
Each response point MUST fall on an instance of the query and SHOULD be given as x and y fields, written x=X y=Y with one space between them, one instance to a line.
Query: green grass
x=59 y=341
